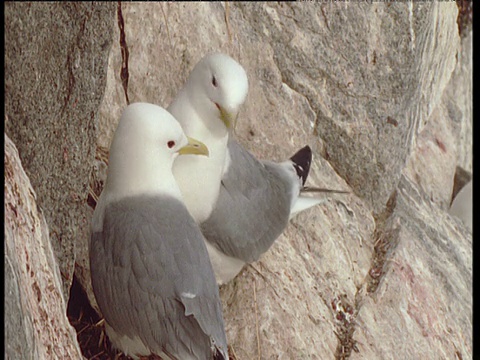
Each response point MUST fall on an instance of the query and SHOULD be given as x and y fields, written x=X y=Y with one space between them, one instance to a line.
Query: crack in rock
x=124 y=48
x=345 y=315
x=386 y=238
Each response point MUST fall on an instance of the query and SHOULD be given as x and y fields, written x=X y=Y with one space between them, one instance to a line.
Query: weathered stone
x=281 y=306
x=55 y=66
x=445 y=144
x=423 y=306
x=36 y=324
x=364 y=68
x=458 y=99
x=432 y=163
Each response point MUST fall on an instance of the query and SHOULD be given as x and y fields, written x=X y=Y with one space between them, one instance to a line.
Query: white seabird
x=150 y=269
x=241 y=203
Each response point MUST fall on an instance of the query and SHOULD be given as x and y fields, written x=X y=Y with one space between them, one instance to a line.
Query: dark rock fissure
x=124 y=48
x=89 y=327
x=385 y=240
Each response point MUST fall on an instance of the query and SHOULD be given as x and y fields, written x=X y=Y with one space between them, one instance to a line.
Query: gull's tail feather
x=308 y=189
x=301 y=162
x=304 y=201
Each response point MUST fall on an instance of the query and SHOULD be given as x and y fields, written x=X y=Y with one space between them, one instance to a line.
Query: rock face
x=417 y=311
x=55 y=66
x=382 y=94
x=36 y=325
x=55 y=69
x=364 y=84
x=360 y=89
x=458 y=98
x=367 y=87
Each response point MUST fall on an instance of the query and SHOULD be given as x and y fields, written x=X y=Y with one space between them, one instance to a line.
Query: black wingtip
x=301 y=162
x=218 y=356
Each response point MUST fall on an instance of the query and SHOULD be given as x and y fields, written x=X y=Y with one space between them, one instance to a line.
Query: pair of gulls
x=170 y=221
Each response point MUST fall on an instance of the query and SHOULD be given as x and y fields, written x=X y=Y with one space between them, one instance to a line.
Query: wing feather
x=253 y=206
x=149 y=253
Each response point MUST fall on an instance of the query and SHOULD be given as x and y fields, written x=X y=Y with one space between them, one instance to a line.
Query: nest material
x=90 y=327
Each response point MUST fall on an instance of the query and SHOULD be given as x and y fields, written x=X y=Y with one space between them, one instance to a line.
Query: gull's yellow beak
x=229 y=118
x=194 y=147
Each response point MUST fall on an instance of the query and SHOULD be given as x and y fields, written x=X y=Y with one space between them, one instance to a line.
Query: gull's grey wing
x=253 y=206
x=151 y=271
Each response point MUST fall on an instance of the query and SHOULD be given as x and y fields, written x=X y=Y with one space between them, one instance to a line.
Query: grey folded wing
x=253 y=206
x=153 y=279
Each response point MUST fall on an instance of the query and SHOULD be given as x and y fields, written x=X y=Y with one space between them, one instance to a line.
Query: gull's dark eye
x=171 y=144
x=214 y=81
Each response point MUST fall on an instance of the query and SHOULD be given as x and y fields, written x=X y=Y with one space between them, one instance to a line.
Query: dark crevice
x=91 y=337
x=465 y=16
x=71 y=80
x=124 y=48
x=385 y=241
x=386 y=237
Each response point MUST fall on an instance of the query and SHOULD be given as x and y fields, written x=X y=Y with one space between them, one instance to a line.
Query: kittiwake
x=150 y=269
x=242 y=204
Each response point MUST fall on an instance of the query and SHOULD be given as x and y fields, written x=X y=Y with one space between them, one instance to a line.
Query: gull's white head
x=146 y=142
x=218 y=86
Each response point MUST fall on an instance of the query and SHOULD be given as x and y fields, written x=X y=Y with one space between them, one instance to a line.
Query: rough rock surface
x=36 y=326
x=458 y=99
x=443 y=150
x=422 y=306
x=366 y=85
x=360 y=68
x=55 y=66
